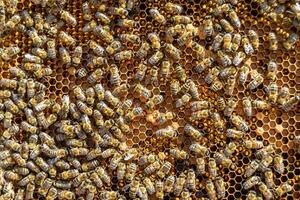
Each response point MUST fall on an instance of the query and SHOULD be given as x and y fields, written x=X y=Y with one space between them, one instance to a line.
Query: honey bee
x=175 y=30
x=104 y=19
x=76 y=59
x=290 y=42
x=183 y=100
x=95 y=76
x=84 y=108
x=234 y=19
x=283 y=189
x=123 y=55
x=181 y=74
x=227 y=42
x=11 y=106
x=250 y=182
x=265 y=163
x=131 y=171
x=103 y=175
x=168 y=132
x=181 y=19
x=143 y=92
x=230 y=149
x=247 y=106
x=226 y=26
x=217 y=42
x=153 y=76
x=261 y=105
x=253 y=144
x=52 y=193
x=239 y=123
x=141 y=71
x=252 y=196
x=208 y=26
x=86 y=10
x=13 y=22
x=24 y=181
x=143 y=50
x=266 y=192
x=191 y=180
x=235 y=134
x=154 y=40
x=42 y=105
x=186 y=40
x=230 y=107
x=97 y=49
x=173 y=8
x=202 y=114
x=278 y=164
x=248 y=48
x=121 y=170
x=210 y=189
x=157 y=16
x=66 y=194
x=134 y=187
x=193 y=132
x=64 y=54
x=119 y=11
x=243 y=73
x=199 y=149
x=239 y=58
x=283 y=95
x=42 y=164
x=68 y=18
x=230 y=85
x=20 y=194
x=66 y=38
x=25 y=126
x=104 y=109
x=134 y=113
x=113 y=47
x=156 y=57
x=178 y=154
x=36 y=39
x=236 y=41
x=220 y=158
x=266 y=151
x=269 y=180
x=179 y=184
x=254 y=38
x=224 y=58
x=32 y=59
x=198 y=49
x=273 y=92
x=290 y=103
x=109 y=195
x=257 y=80
x=29 y=191
x=104 y=35
x=172 y=51
x=221 y=8
x=90 y=95
x=217 y=121
x=99 y=90
x=200 y=105
x=273 y=41
x=220 y=187
x=135 y=39
x=39 y=52
x=51 y=50
x=155 y=100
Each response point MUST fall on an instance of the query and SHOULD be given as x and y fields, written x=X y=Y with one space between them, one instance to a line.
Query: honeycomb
x=151 y=127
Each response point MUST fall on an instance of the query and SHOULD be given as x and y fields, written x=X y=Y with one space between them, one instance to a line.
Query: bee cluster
x=161 y=101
